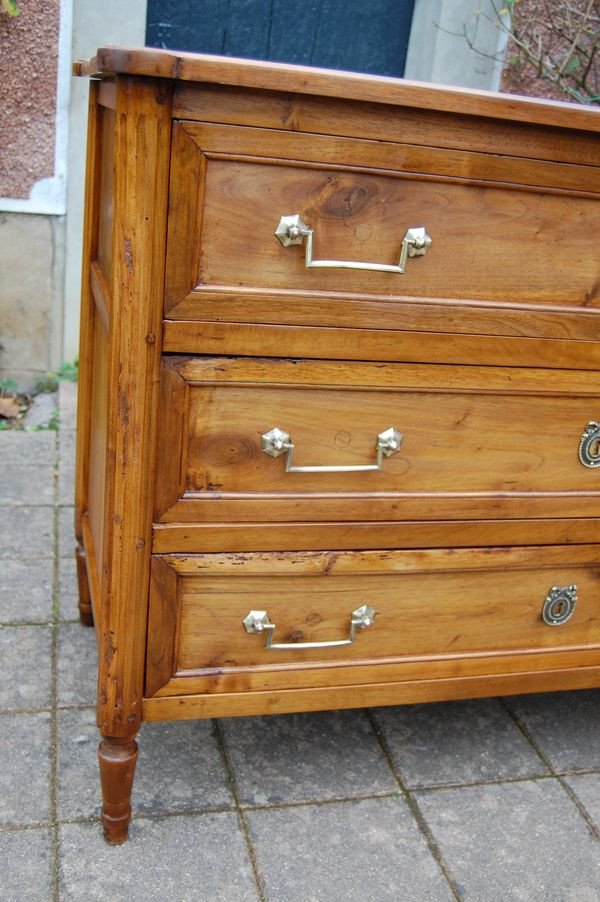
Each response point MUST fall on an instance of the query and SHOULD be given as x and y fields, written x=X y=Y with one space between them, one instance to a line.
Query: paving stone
x=27 y=865
x=66 y=468
x=26 y=590
x=587 y=789
x=25 y=771
x=79 y=792
x=456 y=742
x=66 y=531
x=565 y=725
x=303 y=757
x=25 y=652
x=43 y=411
x=77 y=664
x=367 y=851
x=26 y=532
x=27 y=449
x=25 y=485
x=68 y=591
x=67 y=405
x=186 y=751
x=523 y=840
x=201 y=858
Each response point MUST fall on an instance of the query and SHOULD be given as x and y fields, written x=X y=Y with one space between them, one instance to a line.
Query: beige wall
x=42 y=135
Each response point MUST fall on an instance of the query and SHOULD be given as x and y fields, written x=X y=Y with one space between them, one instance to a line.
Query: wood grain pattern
x=460 y=318
x=349 y=534
x=105 y=199
x=96 y=462
x=325 y=82
x=495 y=244
x=475 y=441
x=162 y=625
x=87 y=318
x=428 y=604
x=463 y=166
x=370 y=344
x=243 y=704
x=424 y=127
x=143 y=134
x=94 y=580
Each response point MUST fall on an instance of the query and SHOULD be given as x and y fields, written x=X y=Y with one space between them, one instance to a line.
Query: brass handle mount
x=277 y=442
x=293 y=230
x=259 y=622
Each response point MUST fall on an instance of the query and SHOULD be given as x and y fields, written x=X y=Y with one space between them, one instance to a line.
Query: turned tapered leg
x=117 y=768
x=86 y=614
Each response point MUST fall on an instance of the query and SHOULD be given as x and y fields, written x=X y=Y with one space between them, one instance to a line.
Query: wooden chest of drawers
x=340 y=384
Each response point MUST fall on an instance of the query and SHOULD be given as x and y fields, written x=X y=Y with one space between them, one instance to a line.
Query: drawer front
x=251 y=621
x=469 y=442
x=501 y=233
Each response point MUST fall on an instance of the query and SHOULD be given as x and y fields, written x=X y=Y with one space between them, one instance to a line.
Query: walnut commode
x=338 y=428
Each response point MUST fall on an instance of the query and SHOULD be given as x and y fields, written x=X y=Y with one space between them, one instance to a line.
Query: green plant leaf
x=573 y=64
x=10 y=7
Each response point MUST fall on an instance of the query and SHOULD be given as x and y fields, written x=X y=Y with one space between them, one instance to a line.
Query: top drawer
x=507 y=232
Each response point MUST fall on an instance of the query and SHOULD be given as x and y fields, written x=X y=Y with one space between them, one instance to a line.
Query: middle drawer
x=283 y=440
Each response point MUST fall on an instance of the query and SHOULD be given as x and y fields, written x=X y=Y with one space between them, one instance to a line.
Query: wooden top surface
x=193 y=67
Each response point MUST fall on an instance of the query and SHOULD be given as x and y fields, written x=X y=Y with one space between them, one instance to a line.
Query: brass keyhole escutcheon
x=589 y=446
x=559 y=605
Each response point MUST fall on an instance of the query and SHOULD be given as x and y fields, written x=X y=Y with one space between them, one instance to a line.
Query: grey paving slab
x=67 y=405
x=179 y=767
x=66 y=531
x=66 y=467
x=26 y=590
x=514 y=841
x=566 y=726
x=27 y=865
x=456 y=742
x=198 y=858
x=303 y=757
x=27 y=449
x=367 y=851
x=27 y=485
x=587 y=789
x=68 y=593
x=26 y=653
x=77 y=764
x=25 y=771
x=26 y=532
x=77 y=665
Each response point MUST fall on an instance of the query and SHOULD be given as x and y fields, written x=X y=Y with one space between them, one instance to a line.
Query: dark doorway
x=358 y=35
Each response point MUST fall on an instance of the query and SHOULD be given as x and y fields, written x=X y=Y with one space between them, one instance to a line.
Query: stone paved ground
x=486 y=801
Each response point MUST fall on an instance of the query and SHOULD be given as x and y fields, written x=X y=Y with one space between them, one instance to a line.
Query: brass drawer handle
x=589 y=446
x=559 y=605
x=277 y=442
x=258 y=622
x=293 y=230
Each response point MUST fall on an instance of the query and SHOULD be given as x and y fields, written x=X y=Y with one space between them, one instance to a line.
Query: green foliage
x=68 y=372
x=10 y=8
x=7 y=387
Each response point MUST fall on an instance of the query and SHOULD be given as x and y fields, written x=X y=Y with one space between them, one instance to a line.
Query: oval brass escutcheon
x=589 y=446
x=559 y=605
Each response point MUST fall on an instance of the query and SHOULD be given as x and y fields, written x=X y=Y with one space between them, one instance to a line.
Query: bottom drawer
x=341 y=618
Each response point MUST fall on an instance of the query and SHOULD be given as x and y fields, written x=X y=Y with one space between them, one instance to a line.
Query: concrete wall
x=35 y=90
x=438 y=50
x=94 y=25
